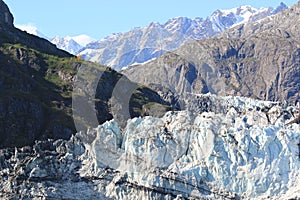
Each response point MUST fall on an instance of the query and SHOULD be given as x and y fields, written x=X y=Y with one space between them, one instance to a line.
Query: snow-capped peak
x=72 y=44
x=67 y=43
x=239 y=10
x=222 y=19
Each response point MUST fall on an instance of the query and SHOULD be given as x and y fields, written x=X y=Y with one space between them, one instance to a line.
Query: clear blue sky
x=99 y=18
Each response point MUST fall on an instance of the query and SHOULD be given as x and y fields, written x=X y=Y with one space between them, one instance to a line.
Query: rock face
x=145 y=43
x=220 y=147
x=258 y=59
x=5 y=15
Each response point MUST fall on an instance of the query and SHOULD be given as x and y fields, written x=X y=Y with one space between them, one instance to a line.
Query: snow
x=137 y=63
x=229 y=11
x=243 y=13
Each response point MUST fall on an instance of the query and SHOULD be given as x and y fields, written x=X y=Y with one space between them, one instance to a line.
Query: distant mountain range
x=258 y=59
x=145 y=43
x=72 y=44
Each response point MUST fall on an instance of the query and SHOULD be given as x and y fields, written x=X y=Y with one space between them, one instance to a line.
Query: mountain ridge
x=124 y=49
x=144 y=43
x=258 y=59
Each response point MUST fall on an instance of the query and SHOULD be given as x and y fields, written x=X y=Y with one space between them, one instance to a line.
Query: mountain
x=219 y=148
x=258 y=59
x=145 y=43
x=72 y=44
x=48 y=93
x=67 y=44
x=214 y=147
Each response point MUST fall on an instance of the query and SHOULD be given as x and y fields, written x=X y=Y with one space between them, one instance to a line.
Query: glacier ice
x=219 y=147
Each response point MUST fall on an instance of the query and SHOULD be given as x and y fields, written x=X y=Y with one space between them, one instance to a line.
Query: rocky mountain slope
x=145 y=43
x=38 y=92
x=218 y=148
x=258 y=59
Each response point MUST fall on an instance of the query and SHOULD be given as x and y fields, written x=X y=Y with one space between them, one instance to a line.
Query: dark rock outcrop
x=5 y=15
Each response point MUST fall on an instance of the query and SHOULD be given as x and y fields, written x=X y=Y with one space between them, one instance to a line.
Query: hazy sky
x=99 y=18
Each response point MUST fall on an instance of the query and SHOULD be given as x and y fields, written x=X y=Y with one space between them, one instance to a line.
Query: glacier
x=217 y=148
